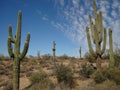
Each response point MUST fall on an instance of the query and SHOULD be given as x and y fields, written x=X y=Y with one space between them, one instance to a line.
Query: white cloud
x=58 y=26
x=76 y=19
x=61 y=2
x=45 y=18
x=75 y=3
x=115 y=4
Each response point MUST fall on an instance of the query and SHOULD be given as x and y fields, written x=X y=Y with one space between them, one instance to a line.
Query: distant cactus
x=80 y=52
x=98 y=35
x=16 y=55
x=38 y=54
x=112 y=62
x=54 y=44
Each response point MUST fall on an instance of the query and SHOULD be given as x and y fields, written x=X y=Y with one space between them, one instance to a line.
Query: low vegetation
x=86 y=70
x=64 y=75
x=112 y=74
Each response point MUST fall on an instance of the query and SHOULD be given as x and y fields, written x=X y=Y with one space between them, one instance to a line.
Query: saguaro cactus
x=112 y=62
x=16 y=55
x=38 y=55
x=54 y=44
x=98 y=35
x=80 y=52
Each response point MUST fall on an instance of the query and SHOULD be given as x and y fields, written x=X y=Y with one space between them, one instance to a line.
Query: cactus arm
x=95 y=10
x=104 y=42
x=89 y=41
x=10 y=34
x=100 y=27
x=10 y=49
x=91 y=28
x=26 y=45
x=112 y=62
x=10 y=41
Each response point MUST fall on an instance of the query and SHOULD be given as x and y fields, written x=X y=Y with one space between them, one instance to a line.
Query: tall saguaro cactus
x=112 y=62
x=54 y=44
x=98 y=35
x=80 y=52
x=16 y=55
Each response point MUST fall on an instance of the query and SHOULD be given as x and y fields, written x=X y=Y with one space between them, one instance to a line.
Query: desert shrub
x=40 y=77
x=63 y=57
x=112 y=74
x=46 y=57
x=41 y=80
x=8 y=85
x=98 y=77
x=28 y=74
x=115 y=75
x=117 y=60
x=64 y=75
x=86 y=70
x=38 y=86
x=89 y=57
x=25 y=59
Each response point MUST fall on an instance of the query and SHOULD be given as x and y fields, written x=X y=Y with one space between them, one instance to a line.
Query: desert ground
x=30 y=66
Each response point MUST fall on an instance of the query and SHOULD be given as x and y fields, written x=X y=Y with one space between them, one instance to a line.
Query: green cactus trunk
x=16 y=73
x=16 y=55
x=54 y=44
x=112 y=61
x=98 y=34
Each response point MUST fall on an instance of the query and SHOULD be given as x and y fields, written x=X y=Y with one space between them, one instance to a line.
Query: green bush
x=46 y=57
x=112 y=74
x=89 y=57
x=64 y=75
x=115 y=75
x=64 y=57
x=40 y=78
x=117 y=60
x=86 y=70
x=99 y=77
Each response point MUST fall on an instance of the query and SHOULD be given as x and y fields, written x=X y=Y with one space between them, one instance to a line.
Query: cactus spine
x=80 y=52
x=16 y=55
x=112 y=62
x=98 y=35
x=54 y=44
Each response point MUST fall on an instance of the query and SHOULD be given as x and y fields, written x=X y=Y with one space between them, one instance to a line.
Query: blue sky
x=61 y=20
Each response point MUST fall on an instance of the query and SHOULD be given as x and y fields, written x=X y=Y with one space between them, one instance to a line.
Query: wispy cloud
x=75 y=14
x=73 y=18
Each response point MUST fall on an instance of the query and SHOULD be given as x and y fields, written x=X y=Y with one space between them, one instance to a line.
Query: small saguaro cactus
x=80 y=52
x=54 y=44
x=98 y=34
x=16 y=55
x=112 y=62
x=38 y=55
